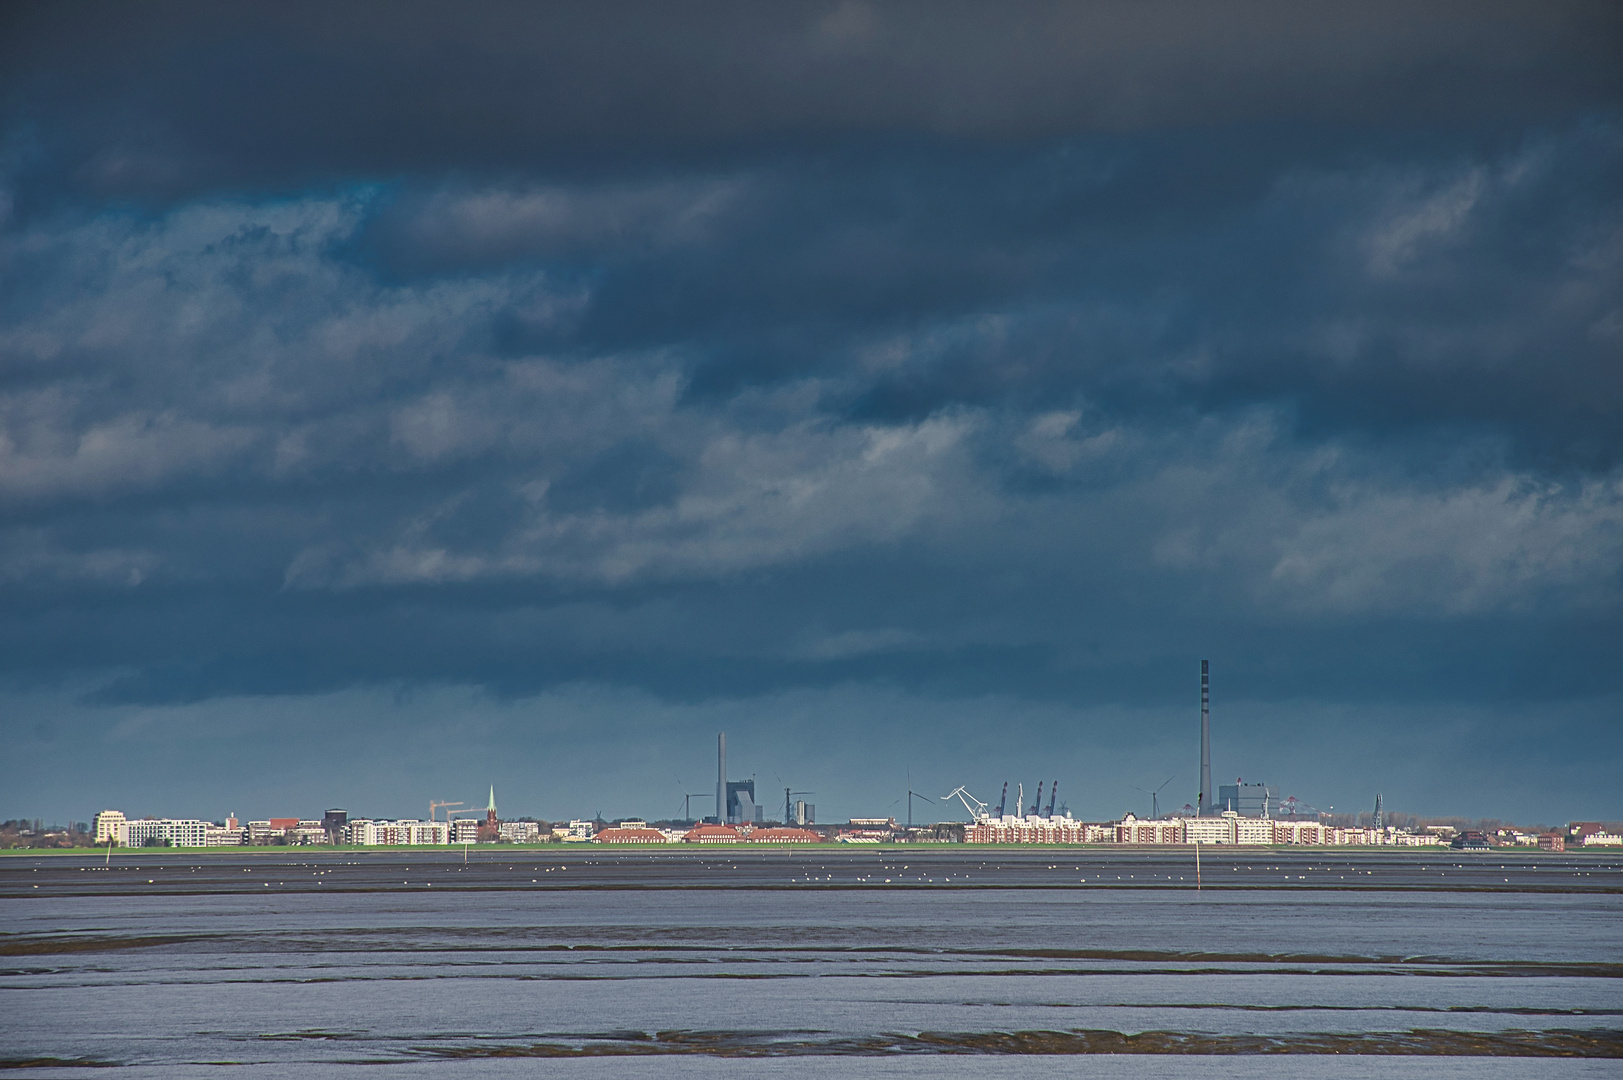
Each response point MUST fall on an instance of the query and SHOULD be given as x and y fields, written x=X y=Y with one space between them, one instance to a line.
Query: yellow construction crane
x=433 y=806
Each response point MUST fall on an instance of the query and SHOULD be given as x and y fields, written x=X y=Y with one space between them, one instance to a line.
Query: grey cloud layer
x=724 y=354
x=233 y=343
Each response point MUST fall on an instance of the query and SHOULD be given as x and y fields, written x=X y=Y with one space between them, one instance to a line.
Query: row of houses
x=640 y=832
x=113 y=827
x=1226 y=828
x=457 y=831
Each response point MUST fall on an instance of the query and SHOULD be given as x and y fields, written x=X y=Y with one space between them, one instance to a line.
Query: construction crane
x=788 y=807
x=435 y=805
x=449 y=814
x=1155 y=796
x=972 y=805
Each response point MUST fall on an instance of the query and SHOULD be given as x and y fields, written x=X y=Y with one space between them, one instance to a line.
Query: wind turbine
x=911 y=795
x=1155 y=796
x=688 y=797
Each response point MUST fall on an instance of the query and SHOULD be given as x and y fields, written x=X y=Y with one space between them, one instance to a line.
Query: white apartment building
x=576 y=832
x=307 y=832
x=519 y=832
x=1291 y=831
x=1031 y=829
x=1404 y=839
x=385 y=833
x=1210 y=830
x=465 y=830
x=1253 y=830
x=224 y=836
x=109 y=826
x=1155 y=831
x=179 y=832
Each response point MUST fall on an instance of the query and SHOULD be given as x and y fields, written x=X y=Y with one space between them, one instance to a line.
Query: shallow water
x=932 y=962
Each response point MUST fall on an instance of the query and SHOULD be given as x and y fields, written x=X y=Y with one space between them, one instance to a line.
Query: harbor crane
x=973 y=806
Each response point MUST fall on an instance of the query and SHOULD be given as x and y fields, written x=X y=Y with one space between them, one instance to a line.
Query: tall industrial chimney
x=1205 y=799
x=721 y=779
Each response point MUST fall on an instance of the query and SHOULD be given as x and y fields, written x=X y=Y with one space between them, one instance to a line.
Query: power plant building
x=1247 y=800
x=741 y=805
x=735 y=799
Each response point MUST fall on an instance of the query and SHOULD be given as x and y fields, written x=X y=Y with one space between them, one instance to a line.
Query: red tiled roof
x=630 y=836
x=785 y=836
x=712 y=834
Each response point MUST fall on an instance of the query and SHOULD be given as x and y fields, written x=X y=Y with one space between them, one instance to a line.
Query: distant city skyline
x=1098 y=792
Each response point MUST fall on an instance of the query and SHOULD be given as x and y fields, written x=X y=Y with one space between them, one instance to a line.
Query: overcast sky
x=397 y=399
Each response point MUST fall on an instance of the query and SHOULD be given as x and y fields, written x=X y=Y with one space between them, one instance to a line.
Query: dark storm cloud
x=1367 y=296
x=165 y=98
x=1001 y=359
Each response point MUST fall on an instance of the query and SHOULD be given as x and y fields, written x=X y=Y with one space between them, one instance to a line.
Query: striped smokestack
x=1205 y=800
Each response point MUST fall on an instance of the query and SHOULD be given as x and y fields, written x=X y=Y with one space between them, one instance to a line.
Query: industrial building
x=1247 y=800
x=735 y=799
